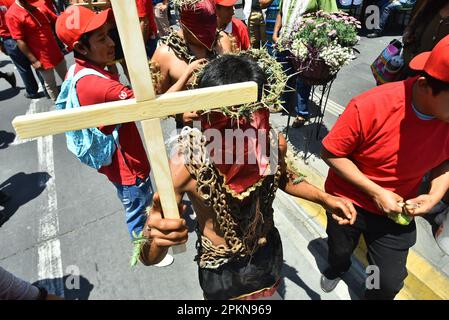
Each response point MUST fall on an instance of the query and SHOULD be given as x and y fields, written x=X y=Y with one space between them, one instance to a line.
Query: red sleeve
x=142 y=9
x=244 y=37
x=95 y=90
x=15 y=27
x=346 y=134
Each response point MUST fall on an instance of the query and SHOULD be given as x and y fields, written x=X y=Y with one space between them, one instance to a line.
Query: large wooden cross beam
x=144 y=107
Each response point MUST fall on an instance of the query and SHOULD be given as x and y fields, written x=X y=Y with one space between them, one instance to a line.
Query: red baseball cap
x=436 y=62
x=226 y=3
x=78 y=20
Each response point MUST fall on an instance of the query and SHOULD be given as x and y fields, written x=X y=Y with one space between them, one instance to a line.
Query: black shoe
x=32 y=96
x=375 y=34
x=329 y=281
x=11 y=78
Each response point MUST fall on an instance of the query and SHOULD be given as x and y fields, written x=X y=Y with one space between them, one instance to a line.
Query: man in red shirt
x=32 y=27
x=93 y=48
x=231 y=25
x=9 y=46
x=148 y=25
x=382 y=145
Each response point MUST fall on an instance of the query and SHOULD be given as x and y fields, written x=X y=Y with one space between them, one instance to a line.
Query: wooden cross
x=145 y=107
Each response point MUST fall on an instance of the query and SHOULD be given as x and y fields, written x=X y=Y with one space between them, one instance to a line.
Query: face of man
x=101 y=50
x=440 y=105
x=224 y=14
x=437 y=105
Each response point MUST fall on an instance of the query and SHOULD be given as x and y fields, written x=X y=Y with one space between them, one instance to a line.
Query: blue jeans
x=135 y=199
x=386 y=7
x=23 y=66
x=300 y=97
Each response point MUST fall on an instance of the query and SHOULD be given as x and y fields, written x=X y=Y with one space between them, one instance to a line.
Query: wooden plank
x=127 y=20
x=154 y=140
x=54 y=122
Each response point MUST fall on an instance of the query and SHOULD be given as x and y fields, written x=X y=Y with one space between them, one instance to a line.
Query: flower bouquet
x=321 y=44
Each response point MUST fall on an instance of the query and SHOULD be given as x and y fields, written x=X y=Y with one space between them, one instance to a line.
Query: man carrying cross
x=239 y=248
x=94 y=49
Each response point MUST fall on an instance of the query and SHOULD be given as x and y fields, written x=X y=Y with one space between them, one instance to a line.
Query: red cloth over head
x=250 y=160
x=201 y=21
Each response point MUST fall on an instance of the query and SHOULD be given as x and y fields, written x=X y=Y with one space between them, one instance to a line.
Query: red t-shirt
x=35 y=29
x=240 y=32
x=382 y=134
x=94 y=90
x=4 y=6
x=145 y=9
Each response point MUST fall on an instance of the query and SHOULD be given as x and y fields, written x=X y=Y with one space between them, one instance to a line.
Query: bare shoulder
x=224 y=43
x=162 y=53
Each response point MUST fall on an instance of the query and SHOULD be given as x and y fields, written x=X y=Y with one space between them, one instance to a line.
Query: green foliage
x=138 y=242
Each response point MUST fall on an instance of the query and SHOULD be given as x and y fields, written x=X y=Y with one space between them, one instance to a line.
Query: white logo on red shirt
x=123 y=95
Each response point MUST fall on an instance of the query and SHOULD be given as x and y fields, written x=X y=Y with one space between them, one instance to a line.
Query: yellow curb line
x=423 y=282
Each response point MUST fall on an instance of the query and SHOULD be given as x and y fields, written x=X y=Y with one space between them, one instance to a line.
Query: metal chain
x=210 y=188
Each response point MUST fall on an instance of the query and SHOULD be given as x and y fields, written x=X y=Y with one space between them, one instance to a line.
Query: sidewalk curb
x=424 y=281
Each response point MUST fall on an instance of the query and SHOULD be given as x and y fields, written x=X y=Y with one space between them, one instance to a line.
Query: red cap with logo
x=78 y=20
x=436 y=62
x=226 y=3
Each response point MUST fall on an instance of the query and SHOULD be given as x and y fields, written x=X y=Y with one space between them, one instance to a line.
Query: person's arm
x=387 y=201
x=30 y=56
x=161 y=58
x=183 y=80
x=439 y=185
x=164 y=233
x=277 y=26
x=14 y=288
x=291 y=184
x=144 y=23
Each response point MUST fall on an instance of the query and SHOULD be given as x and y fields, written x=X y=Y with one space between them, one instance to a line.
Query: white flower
x=336 y=56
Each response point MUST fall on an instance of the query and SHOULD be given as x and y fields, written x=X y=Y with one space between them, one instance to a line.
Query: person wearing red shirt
x=148 y=25
x=32 y=27
x=9 y=46
x=129 y=171
x=234 y=27
x=378 y=152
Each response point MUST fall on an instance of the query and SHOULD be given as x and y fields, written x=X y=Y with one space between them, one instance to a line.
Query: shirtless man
x=197 y=39
x=240 y=255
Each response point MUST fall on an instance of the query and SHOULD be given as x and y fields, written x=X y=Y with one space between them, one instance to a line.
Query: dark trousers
x=388 y=244
x=23 y=66
x=297 y=93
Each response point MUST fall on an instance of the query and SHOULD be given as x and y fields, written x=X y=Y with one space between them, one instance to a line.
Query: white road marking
x=49 y=250
x=31 y=110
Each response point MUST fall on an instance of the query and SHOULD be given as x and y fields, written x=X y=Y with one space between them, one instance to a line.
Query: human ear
x=79 y=47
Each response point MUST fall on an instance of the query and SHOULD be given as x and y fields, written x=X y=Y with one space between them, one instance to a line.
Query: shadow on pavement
x=6 y=138
x=291 y=273
x=318 y=248
x=81 y=286
x=9 y=93
x=5 y=63
x=22 y=188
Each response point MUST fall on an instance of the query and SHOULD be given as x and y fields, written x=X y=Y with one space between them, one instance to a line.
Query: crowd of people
x=371 y=150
